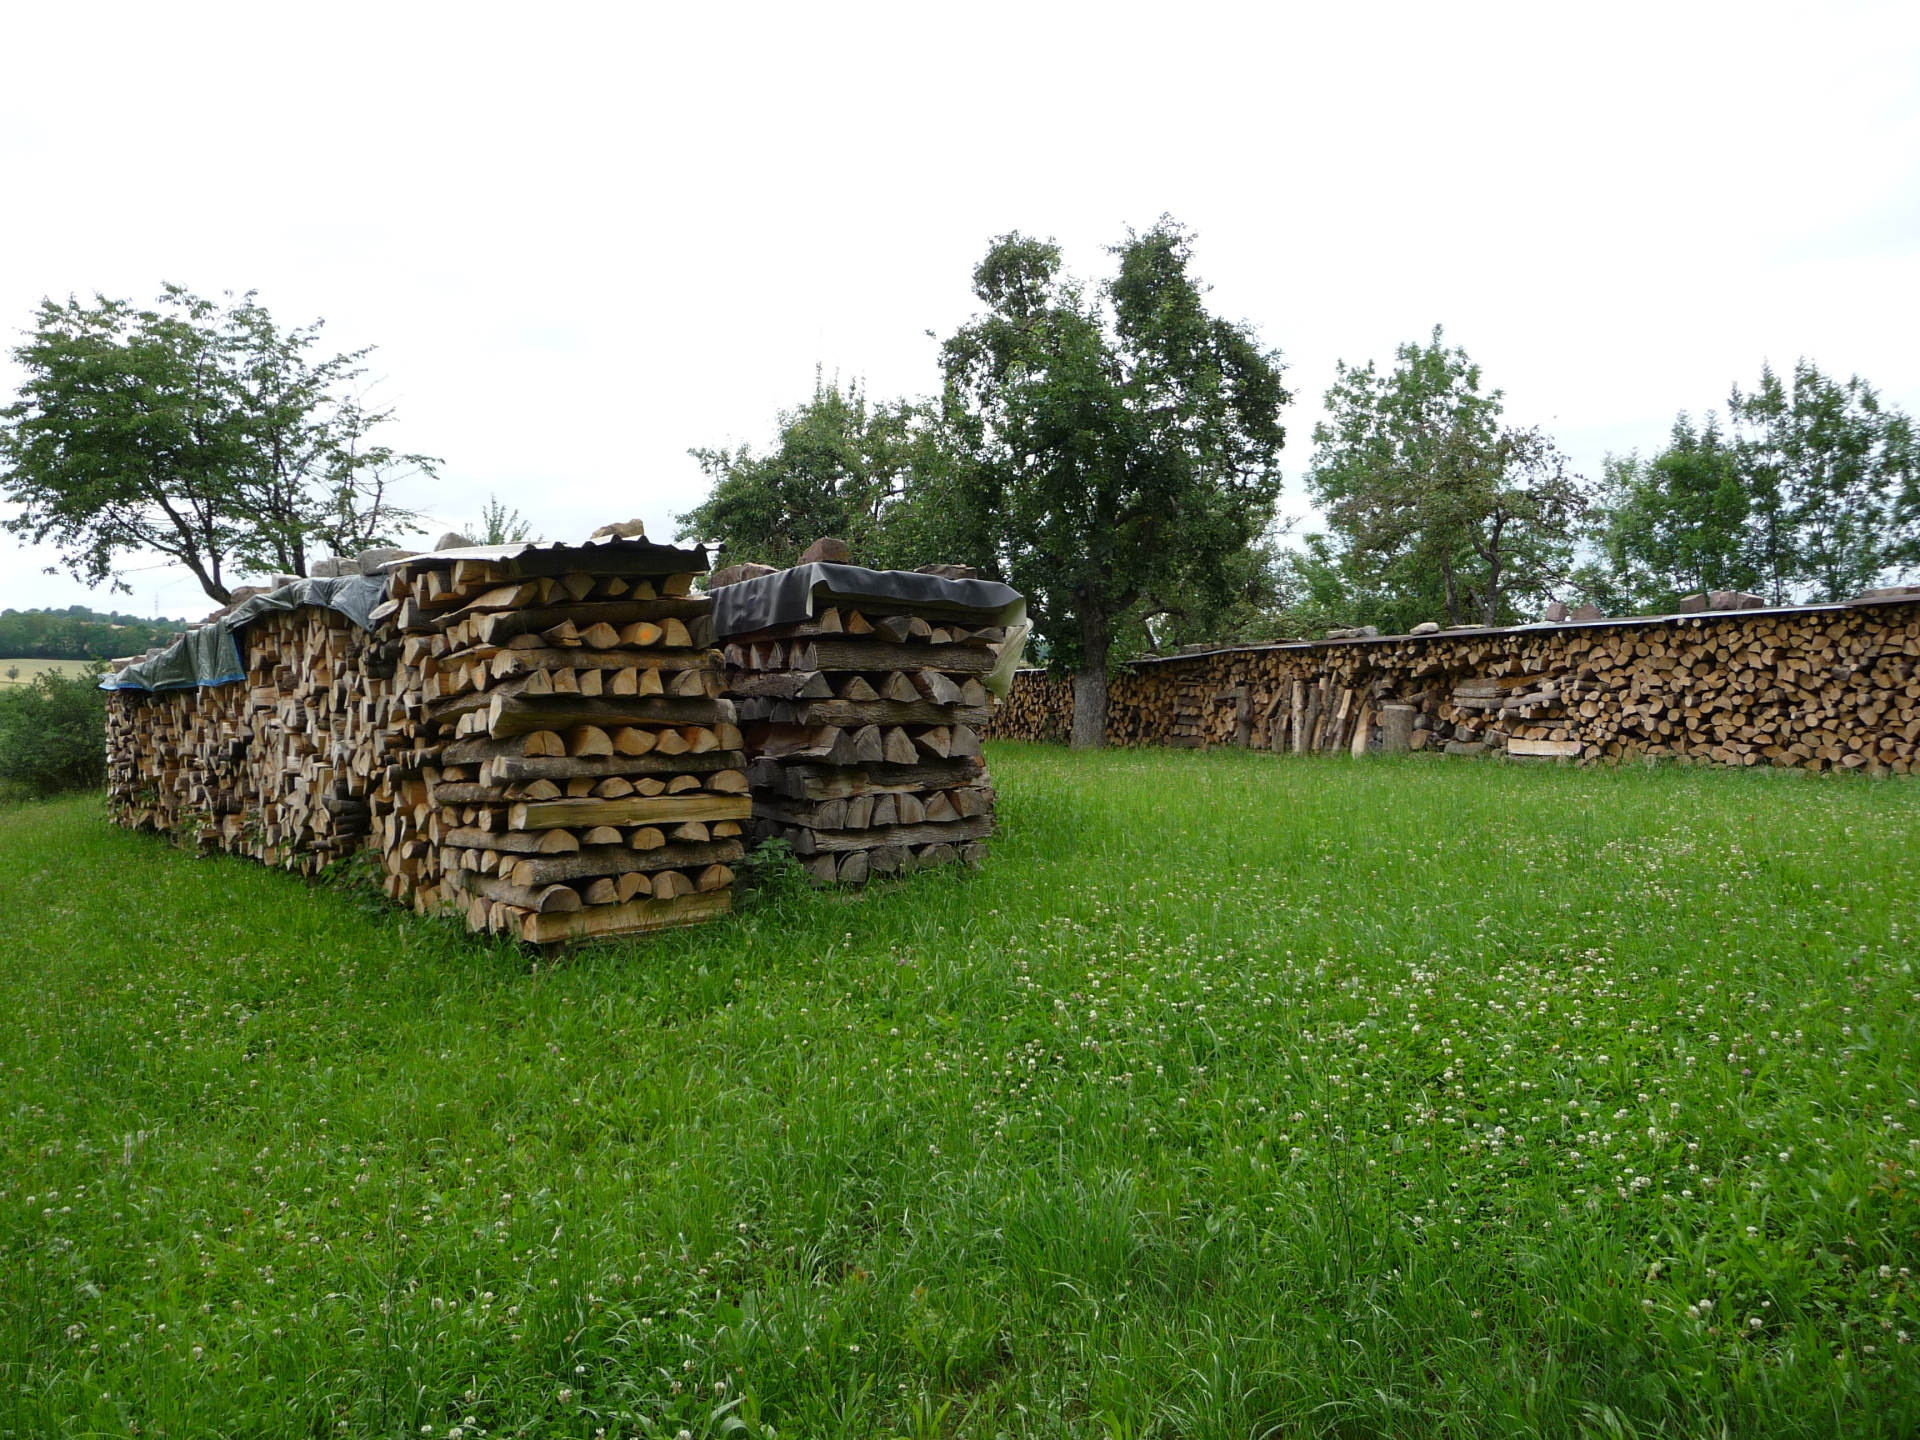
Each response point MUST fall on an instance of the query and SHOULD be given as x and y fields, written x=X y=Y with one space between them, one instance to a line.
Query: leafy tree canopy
x=79 y=634
x=1434 y=507
x=199 y=430
x=1809 y=494
x=841 y=466
x=1831 y=476
x=1113 y=443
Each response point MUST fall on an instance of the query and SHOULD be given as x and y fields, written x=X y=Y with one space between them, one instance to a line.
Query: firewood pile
x=274 y=766
x=862 y=713
x=1816 y=687
x=533 y=736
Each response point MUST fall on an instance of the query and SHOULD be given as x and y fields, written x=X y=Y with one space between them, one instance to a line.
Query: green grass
x=23 y=672
x=1238 y=1096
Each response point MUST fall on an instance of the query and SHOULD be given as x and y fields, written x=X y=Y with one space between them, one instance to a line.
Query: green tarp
x=209 y=655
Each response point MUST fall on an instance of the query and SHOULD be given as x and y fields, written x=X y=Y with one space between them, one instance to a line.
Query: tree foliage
x=1675 y=524
x=1830 y=474
x=1112 y=444
x=1432 y=505
x=841 y=465
x=500 y=525
x=52 y=734
x=78 y=633
x=202 y=431
x=1809 y=494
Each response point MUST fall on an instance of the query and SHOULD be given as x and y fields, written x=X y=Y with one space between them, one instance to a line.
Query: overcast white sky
x=588 y=237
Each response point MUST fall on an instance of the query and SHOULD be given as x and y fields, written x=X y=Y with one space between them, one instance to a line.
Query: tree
x=501 y=526
x=1106 y=445
x=1812 y=492
x=840 y=466
x=1676 y=524
x=1831 y=475
x=52 y=733
x=1432 y=502
x=203 y=432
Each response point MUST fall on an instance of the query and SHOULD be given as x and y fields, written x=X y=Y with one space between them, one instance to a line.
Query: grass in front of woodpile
x=1237 y=1096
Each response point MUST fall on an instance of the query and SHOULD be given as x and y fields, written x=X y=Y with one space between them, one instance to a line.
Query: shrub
x=52 y=735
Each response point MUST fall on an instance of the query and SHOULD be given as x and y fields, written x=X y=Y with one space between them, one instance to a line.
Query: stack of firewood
x=1826 y=687
x=533 y=736
x=862 y=723
x=592 y=779
x=275 y=766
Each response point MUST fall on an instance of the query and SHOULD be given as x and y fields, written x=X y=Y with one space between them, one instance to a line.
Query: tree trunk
x=1090 y=681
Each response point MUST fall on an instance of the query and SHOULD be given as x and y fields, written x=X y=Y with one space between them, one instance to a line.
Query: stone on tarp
x=621 y=530
x=825 y=551
x=1733 y=600
x=452 y=540
x=1426 y=627
x=948 y=572
x=1693 y=604
x=1887 y=595
x=734 y=574
x=1557 y=611
x=1588 y=611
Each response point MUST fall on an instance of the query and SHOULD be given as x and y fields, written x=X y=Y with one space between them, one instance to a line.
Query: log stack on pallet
x=534 y=736
x=590 y=777
x=861 y=694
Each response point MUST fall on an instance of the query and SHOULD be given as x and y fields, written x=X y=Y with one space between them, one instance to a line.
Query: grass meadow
x=1237 y=1096
x=24 y=672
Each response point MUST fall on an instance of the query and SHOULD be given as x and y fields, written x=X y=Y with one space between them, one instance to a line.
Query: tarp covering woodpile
x=861 y=694
x=533 y=735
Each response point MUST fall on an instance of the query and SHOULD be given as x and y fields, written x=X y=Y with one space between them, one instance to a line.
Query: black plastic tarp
x=791 y=596
x=788 y=597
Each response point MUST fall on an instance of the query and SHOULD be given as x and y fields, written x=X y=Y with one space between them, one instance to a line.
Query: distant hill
x=77 y=633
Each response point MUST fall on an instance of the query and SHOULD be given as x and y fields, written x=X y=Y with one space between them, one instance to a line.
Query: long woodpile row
x=258 y=767
x=862 y=726
x=1819 y=687
x=536 y=736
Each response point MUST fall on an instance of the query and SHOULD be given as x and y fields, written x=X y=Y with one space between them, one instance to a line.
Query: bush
x=53 y=735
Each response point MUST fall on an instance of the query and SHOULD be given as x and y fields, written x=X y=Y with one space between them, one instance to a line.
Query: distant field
x=30 y=668
x=1239 y=1096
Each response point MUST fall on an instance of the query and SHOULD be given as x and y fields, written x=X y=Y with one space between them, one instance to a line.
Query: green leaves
x=1116 y=446
x=1112 y=453
x=1830 y=474
x=205 y=433
x=841 y=466
x=52 y=733
x=1809 y=494
x=1437 y=508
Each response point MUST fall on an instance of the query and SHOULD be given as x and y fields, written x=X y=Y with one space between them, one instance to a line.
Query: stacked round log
x=533 y=736
x=1831 y=687
x=862 y=723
